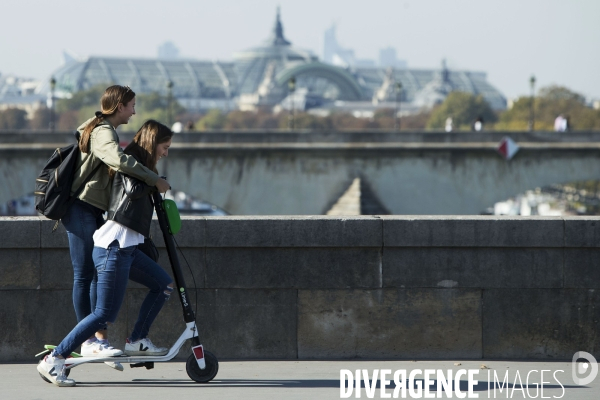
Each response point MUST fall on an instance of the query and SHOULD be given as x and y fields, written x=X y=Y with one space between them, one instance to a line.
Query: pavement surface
x=297 y=380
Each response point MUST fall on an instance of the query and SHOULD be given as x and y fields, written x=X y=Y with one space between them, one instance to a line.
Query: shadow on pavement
x=307 y=383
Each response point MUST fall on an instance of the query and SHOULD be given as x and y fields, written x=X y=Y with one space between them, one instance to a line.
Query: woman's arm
x=134 y=188
x=106 y=148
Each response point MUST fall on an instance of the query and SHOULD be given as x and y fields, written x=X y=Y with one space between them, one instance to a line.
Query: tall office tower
x=329 y=45
x=335 y=54
x=387 y=57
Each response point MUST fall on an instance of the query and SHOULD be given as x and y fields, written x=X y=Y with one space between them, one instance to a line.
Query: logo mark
x=580 y=369
x=183 y=297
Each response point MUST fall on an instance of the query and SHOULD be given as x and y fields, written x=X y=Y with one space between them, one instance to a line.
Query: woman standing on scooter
x=99 y=143
x=117 y=259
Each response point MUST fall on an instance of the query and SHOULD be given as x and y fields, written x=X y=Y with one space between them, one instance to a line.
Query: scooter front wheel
x=202 y=375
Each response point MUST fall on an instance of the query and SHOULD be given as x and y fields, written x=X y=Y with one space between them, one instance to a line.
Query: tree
x=311 y=122
x=153 y=106
x=550 y=102
x=240 y=120
x=69 y=120
x=266 y=120
x=40 y=119
x=415 y=121
x=341 y=121
x=13 y=118
x=214 y=119
x=382 y=119
x=464 y=108
x=89 y=97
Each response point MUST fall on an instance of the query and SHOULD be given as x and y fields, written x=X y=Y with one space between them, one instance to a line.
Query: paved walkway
x=284 y=380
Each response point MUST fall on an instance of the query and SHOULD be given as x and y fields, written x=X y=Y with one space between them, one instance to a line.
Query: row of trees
x=382 y=119
x=70 y=113
x=463 y=108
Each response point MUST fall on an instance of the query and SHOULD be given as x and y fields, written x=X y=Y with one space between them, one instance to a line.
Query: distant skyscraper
x=389 y=58
x=329 y=45
x=168 y=50
x=334 y=53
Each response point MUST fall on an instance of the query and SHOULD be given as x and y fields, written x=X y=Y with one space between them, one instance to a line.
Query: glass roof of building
x=251 y=70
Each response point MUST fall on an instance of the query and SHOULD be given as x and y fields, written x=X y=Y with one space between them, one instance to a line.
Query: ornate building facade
x=260 y=77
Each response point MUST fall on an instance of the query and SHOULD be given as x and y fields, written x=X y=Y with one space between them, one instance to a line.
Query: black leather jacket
x=131 y=203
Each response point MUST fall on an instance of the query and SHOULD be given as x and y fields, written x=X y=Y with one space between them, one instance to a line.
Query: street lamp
x=291 y=90
x=52 y=87
x=531 y=103
x=398 y=88
x=170 y=103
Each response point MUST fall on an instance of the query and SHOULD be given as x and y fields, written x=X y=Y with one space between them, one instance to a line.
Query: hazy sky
x=557 y=40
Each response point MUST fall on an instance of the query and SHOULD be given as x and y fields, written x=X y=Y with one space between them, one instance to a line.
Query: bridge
x=304 y=173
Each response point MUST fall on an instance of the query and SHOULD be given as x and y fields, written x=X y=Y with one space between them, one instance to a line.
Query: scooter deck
x=189 y=332
x=50 y=347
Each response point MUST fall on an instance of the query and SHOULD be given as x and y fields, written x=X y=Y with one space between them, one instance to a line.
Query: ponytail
x=84 y=140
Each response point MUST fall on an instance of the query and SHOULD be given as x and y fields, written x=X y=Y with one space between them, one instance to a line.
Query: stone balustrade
x=314 y=287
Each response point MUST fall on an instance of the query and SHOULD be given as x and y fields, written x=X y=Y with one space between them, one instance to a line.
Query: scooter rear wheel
x=202 y=375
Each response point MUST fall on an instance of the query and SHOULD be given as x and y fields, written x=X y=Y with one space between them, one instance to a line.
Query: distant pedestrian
x=448 y=126
x=189 y=126
x=560 y=124
x=478 y=124
x=177 y=127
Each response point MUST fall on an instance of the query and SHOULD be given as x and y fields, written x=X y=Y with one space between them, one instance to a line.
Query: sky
x=558 y=41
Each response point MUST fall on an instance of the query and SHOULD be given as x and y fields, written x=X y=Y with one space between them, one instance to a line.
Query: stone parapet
x=314 y=287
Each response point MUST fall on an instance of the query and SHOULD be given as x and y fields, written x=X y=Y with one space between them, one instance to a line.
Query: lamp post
x=531 y=104
x=52 y=87
x=398 y=89
x=170 y=103
x=291 y=90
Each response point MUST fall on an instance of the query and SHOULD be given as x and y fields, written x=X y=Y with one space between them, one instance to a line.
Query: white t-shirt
x=111 y=231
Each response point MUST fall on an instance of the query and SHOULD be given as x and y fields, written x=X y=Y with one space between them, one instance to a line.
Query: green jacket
x=104 y=148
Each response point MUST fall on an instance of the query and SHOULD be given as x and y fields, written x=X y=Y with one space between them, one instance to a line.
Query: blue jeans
x=148 y=273
x=81 y=221
x=114 y=267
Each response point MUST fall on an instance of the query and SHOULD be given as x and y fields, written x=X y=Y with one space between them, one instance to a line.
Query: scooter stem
x=188 y=313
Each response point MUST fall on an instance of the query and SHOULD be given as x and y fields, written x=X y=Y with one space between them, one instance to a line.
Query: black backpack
x=53 y=184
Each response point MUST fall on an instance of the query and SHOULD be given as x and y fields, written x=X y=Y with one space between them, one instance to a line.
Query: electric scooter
x=201 y=366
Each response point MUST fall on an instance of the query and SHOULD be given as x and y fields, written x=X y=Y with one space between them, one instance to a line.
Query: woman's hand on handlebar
x=162 y=185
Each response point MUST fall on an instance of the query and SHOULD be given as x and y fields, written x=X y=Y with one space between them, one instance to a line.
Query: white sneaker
x=53 y=368
x=99 y=348
x=116 y=365
x=144 y=347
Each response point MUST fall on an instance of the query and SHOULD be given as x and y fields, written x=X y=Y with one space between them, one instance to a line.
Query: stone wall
x=306 y=136
x=336 y=288
x=423 y=178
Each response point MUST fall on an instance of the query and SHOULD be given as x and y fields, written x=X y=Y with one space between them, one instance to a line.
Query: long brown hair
x=112 y=97
x=145 y=141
